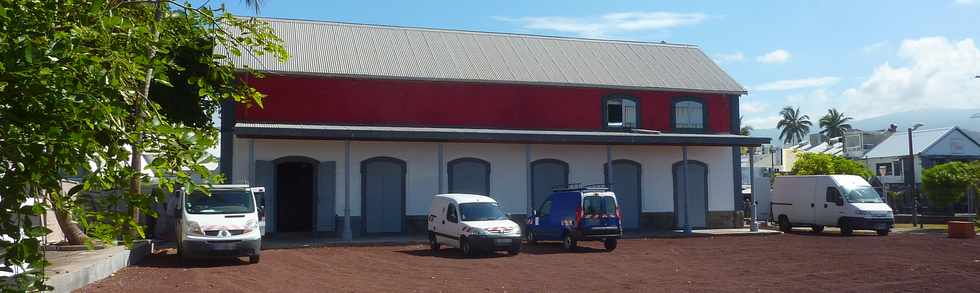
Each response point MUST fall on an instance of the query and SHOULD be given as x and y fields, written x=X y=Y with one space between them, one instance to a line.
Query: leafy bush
x=948 y=183
x=824 y=164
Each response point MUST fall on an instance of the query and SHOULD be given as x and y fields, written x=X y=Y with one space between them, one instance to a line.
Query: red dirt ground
x=801 y=262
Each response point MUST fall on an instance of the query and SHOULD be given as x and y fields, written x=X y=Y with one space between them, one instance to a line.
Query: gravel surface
x=799 y=262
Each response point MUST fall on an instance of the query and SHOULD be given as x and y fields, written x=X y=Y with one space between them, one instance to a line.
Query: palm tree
x=793 y=125
x=834 y=124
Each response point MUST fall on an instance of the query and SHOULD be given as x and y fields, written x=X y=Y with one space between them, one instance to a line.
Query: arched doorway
x=697 y=194
x=469 y=175
x=545 y=175
x=626 y=184
x=296 y=183
x=383 y=195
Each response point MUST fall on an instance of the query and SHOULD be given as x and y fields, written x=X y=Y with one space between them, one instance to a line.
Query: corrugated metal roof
x=898 y=144
x=359 y=50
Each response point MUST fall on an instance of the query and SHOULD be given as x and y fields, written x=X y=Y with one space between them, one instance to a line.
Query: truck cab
x=579 y=214
x=843 y=201
x=227 y=223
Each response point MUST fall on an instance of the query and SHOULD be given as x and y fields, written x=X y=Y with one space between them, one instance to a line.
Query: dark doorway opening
x=295 y=184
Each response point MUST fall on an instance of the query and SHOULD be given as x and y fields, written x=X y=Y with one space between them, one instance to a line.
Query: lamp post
x=911 y=176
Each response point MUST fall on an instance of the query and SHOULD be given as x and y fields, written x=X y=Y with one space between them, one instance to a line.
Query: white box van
x=226 y=223
x=472 y=223
x=844 y=201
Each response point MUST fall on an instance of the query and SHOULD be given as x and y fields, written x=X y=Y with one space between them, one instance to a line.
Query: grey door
x=545 y=175
x=697 y=194
x=469 y=175
x=626 y=185
x=326 y=215
x=383 y=195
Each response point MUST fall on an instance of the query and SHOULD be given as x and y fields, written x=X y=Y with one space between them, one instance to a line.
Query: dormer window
x=620 y=112
x=689 y=115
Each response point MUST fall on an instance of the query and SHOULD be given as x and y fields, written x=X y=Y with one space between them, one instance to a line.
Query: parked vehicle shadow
x=169 y=259
x=542 y=248
x=452 y=253
x=828 y=232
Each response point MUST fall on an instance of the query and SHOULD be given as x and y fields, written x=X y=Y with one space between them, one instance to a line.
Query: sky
x=864 y=58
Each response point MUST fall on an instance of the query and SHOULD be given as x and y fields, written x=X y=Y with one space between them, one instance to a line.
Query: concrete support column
x=687 y=214
x=347 y=235
x=441 y=168
x=527 y=179
x=609 y=167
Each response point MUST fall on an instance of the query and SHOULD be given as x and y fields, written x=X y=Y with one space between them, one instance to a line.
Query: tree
x=826 y=164
x=73 y=82
x=746 y=130
x=948 y=183
x=794 y=126
x=834 y=123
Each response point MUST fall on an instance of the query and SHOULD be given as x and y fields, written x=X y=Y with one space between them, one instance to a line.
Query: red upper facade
x=354 y=101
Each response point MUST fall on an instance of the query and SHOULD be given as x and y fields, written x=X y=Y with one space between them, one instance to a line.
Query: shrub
x=824 y=164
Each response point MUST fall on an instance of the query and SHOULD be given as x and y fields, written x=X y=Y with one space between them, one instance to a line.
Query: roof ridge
x=505 y=34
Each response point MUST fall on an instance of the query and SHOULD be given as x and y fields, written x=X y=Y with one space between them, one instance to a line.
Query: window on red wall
x=689 y=115
x=620 y=113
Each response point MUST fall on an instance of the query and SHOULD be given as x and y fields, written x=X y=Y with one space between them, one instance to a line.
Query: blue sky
x=866 y=58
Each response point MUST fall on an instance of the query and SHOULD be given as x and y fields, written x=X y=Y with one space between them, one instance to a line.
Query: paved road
x=798 y=262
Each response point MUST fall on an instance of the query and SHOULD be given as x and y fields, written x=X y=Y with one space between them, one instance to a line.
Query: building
x=370 y=121
x=889 y=160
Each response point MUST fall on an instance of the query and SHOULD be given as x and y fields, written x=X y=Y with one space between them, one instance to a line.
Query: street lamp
x=911 y=175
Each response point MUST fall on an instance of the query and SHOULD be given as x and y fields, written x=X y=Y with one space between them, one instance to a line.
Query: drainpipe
x=687 y=223
x=347 y=236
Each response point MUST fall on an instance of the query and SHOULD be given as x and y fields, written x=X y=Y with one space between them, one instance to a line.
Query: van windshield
x=863 y=194
x=220 y=202
x=481 y=211
x=599 y=205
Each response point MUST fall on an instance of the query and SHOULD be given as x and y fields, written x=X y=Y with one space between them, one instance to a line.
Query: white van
x=472 y=223
x=226 y=223
x=844 y=201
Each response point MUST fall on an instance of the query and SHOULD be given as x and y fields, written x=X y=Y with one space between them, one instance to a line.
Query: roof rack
x=580 y=187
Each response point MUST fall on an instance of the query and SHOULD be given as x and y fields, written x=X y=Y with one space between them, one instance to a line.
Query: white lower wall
x=508 y=179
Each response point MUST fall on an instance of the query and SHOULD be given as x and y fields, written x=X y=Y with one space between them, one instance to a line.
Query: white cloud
x=729 y=57
x=872 y=48
x=778 y=56
x=605 y=24
x=965 y=2
x=936 y=72
x=763 y=122
x=752 y=107
x=792 y=84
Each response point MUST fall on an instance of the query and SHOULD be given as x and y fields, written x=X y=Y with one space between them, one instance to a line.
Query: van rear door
x=599 y=213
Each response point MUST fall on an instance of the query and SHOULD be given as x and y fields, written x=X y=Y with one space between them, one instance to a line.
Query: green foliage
x=71 y=73
x=948 y=183
x=834 y=123
x=825 y=164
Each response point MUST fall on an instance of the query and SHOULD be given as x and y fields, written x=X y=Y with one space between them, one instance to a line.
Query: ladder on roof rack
x=580 y=187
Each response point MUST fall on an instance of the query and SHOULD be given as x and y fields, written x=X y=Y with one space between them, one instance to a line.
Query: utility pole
x=911 y=176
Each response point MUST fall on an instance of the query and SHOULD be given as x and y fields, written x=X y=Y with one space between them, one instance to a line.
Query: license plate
x=223 y=246
x=502 y=241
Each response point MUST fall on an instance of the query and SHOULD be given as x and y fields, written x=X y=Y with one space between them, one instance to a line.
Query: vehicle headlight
x=251 y=225
x=478 y=231
x=193 y=228
x=863 y=212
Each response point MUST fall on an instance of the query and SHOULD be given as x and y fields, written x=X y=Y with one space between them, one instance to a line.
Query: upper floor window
x=689 y=115
x=620 y=112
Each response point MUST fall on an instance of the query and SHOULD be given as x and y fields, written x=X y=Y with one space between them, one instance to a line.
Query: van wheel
x=611 y=244
x=784 y=224
x=465 y=246
x=883 y=232
x=253 y=259
x=817 y=228
x=433 y=243
x=845 y=228
x=530 y=237
x=569 y=243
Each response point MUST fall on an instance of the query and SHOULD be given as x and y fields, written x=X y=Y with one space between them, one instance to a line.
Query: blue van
x=570 y=215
